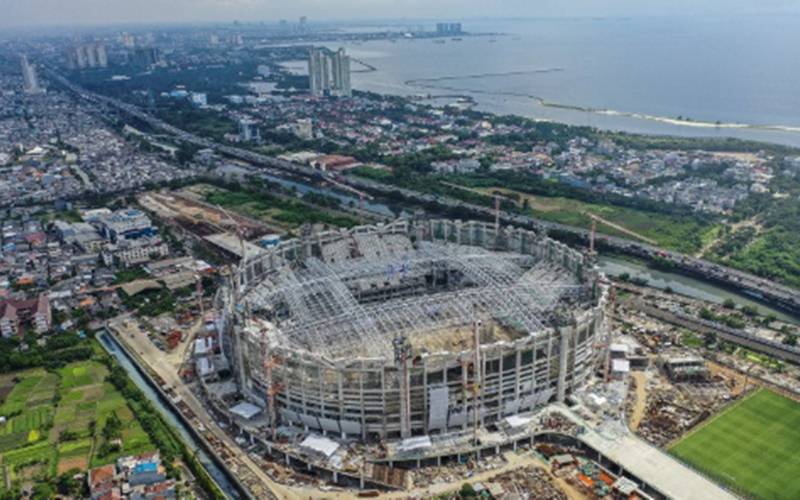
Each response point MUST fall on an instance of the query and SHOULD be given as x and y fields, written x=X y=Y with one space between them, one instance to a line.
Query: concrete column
x=405 y=402
x=383 y=401
x=340 y=390
x=516 y=372
x=425 y=395
x=565 y=333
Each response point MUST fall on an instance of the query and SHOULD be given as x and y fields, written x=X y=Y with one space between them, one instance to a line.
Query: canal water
x=110 y=345
x=684 y=285
x=374 y=207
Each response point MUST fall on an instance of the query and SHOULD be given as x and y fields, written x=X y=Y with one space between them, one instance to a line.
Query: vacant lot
x=751 y=447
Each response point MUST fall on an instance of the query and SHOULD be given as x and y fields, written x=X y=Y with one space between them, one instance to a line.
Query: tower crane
x=273 y=388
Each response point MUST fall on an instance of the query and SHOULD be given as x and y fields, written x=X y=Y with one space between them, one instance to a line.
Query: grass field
x=33 y=445
x=288 y=213
x=751 y=447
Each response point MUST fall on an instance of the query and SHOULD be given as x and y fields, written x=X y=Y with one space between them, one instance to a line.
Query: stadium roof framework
x=328 y=316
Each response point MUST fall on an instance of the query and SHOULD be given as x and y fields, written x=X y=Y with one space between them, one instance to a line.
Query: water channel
x=112 y=347
x=684 y=285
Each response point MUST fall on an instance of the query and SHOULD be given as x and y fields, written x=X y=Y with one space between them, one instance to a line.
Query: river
x=684 y=285
x=111 y=346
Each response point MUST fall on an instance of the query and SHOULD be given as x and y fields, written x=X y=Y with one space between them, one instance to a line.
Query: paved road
x=167 y=367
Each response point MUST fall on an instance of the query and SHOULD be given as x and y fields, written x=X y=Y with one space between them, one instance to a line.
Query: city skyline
x=94 y=12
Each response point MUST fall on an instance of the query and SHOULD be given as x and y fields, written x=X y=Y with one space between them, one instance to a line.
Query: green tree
x=467 y=491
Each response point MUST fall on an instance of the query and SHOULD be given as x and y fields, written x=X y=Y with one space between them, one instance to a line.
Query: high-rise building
x=30 y=80
x=127 y=40
x=329 y=73
x=341 y=74
x=91 y=55
x=248 y=130
x=316 y=83
x=102 y=55
x=147 y=56
x=448 y=29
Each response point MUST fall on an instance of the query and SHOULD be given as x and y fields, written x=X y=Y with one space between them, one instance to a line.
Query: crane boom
x=597 y=218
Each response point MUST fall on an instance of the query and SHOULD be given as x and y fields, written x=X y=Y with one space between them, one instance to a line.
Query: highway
x=739 y=337
x=773 y=293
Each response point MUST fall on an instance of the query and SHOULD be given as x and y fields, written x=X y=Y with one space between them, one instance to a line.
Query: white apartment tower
x=31 y=82
x=329 y=73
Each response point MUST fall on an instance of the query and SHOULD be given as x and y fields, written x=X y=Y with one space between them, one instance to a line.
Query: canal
x=110 y=345
x=303 y=188
x=684 y=285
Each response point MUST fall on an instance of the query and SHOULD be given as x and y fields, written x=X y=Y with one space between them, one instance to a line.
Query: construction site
x=413 y=358
x=411 y=328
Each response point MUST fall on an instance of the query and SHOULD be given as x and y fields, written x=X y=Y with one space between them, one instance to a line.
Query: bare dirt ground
x=737 y=377
x=641 y=399
x=66 y=464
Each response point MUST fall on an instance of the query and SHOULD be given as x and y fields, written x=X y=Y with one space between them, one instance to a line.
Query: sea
x=731 y=76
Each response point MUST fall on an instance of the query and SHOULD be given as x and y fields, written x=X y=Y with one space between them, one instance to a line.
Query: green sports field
x=753 y=447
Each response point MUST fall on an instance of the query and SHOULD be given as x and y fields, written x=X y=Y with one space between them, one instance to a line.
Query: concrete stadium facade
x=412 y=328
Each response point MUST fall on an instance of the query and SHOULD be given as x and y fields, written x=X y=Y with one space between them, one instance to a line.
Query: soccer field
x=753 y=446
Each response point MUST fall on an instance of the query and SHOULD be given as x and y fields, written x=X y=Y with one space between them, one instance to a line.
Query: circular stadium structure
x=410 y=328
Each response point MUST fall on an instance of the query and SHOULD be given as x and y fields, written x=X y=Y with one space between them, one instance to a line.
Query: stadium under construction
x=417 y=327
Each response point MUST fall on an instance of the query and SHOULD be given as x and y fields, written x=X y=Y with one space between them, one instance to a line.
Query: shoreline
x=430 y=83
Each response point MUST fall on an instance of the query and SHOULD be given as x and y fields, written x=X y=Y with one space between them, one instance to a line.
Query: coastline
x=430 y=83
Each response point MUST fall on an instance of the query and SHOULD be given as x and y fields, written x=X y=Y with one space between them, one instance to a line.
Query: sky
x=82 y=12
